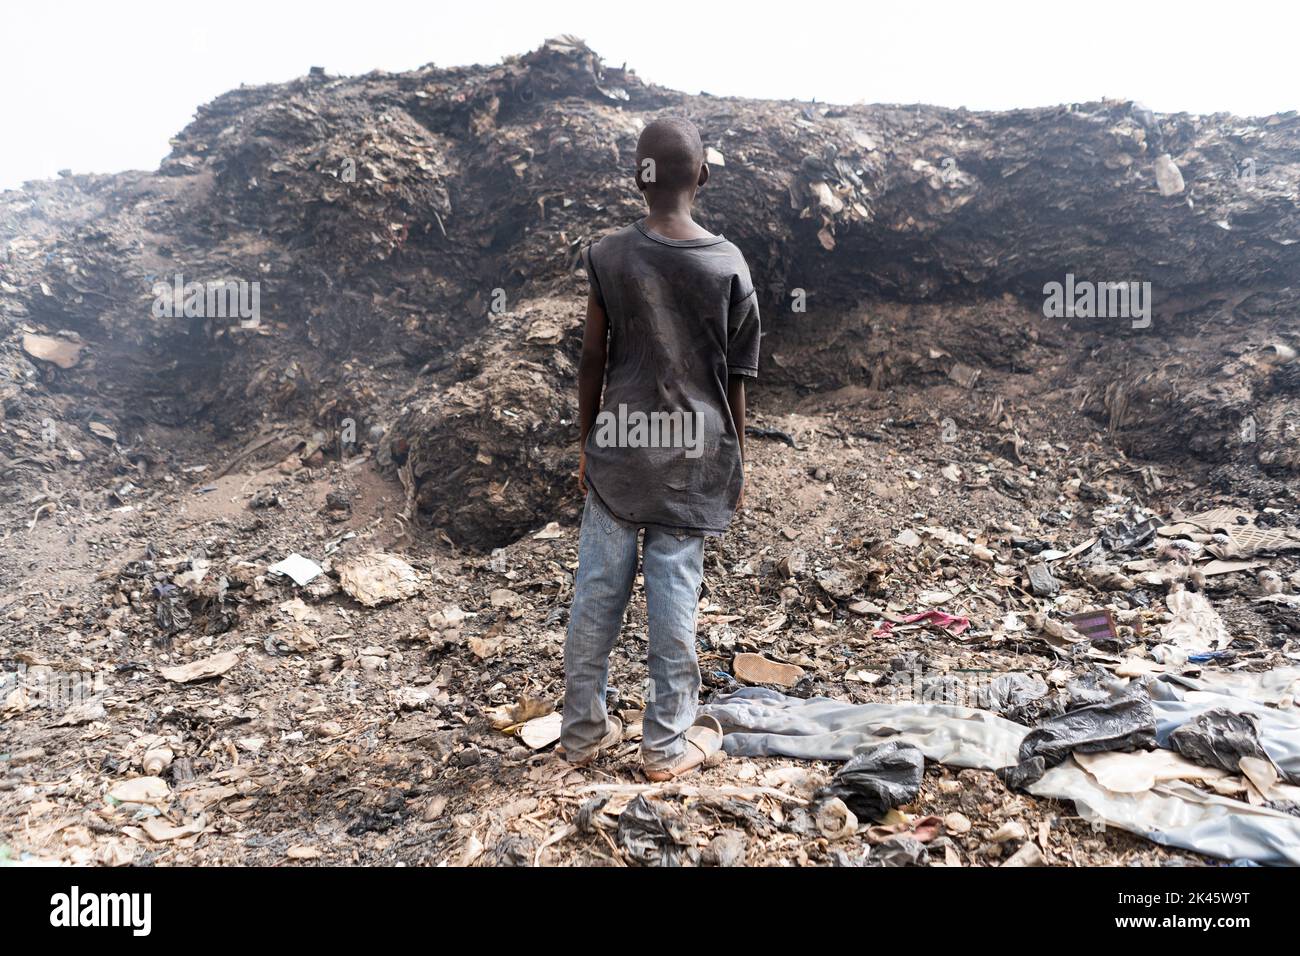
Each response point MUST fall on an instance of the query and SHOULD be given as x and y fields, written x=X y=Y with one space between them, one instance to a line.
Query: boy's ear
x=704 y=175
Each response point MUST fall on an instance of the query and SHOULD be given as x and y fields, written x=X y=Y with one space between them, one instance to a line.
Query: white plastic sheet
x=1178 y=814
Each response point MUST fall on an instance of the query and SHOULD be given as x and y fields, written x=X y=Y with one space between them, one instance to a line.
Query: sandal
x=613 y=736
x=703 y=740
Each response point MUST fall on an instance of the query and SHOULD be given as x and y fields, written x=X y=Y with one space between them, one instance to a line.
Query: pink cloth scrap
x=945 y=622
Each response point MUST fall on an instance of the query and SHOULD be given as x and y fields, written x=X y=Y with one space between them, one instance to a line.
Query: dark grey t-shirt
x=682 y=318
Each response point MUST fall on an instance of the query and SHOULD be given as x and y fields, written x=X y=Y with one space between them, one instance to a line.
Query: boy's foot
x=613 y=734
x=703 y=740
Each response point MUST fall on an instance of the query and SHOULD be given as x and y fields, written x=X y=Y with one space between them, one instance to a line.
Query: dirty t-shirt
x=663 y=451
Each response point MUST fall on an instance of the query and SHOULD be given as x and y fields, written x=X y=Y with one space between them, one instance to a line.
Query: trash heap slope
x=415 y=239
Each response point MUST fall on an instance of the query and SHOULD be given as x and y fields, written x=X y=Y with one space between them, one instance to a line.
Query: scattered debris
x=1123 y=722
x=835 y=820
x=757 y=669
x=1096 y=625
x=378 y=578
x=541 y=731
x=1195 y=625
x=652 y=834
x=203 y=669
x=986 y=508
x=61 y=352
x=1041 y=582
x=301 y=570
x=140 y=790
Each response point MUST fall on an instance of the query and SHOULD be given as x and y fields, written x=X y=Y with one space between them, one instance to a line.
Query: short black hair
x=674 y=144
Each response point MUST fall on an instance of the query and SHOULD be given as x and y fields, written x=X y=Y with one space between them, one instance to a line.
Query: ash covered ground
x=402 y=415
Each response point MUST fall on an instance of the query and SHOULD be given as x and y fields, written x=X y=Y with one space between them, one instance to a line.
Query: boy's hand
x=591 y=378
x=736 y=401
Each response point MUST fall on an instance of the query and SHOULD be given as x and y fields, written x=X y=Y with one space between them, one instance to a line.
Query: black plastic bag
x=1218 y=738
x=652 y=836
x=1124 y=722
x=879 y=779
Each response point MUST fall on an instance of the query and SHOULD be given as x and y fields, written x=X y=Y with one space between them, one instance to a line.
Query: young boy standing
x=672 y=333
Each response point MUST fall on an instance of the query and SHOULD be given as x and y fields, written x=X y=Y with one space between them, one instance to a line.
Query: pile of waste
x=290 y=580
x=405 y=233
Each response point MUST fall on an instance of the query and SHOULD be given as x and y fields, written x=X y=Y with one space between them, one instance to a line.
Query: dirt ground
x=365 y=735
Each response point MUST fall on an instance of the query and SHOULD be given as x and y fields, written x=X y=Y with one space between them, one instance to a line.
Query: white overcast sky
x=101 y=86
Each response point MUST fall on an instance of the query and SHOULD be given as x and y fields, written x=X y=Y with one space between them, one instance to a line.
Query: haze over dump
x=959 y=54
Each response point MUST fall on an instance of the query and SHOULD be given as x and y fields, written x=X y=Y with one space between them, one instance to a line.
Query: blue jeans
x=673 y=566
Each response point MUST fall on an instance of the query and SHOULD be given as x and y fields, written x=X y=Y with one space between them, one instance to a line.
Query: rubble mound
x=414 y=241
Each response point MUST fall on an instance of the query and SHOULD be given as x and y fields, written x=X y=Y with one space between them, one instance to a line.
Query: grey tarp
x=763 y=723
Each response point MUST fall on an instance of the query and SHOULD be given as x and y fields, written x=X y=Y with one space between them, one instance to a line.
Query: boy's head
x=670 y=159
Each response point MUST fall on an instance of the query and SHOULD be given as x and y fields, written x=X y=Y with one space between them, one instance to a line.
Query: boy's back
x=671 y=335
x=682 y=318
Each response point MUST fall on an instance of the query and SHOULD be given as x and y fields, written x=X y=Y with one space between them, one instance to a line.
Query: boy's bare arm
x=736 y=399
x=591 y=379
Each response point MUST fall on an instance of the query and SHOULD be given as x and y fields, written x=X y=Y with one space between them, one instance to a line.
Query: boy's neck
x=670 y=217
